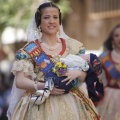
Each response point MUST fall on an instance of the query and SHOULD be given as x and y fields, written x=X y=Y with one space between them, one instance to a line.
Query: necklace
x=51 y=48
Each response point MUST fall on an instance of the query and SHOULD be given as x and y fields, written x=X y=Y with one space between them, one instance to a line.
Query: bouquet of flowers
x=60 y=68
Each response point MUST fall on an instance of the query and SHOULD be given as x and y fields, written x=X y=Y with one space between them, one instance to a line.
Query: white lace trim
x=25 y=66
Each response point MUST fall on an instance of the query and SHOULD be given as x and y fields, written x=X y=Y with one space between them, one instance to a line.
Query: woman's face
x=116 y=38
x=50 y=21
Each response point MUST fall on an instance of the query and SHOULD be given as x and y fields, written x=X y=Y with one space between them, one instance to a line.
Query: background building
x=90 y=21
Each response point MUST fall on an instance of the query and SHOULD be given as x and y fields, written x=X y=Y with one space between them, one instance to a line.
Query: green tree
x=14 y=13
x=17 y=13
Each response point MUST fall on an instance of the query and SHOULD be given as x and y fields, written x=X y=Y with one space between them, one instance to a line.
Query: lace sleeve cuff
x=24 y=65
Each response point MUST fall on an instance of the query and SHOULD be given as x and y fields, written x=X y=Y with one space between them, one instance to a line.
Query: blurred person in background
x=4 y=94
x=109 y=107
x=2 y=88
x=6 y=81
x=2 y=54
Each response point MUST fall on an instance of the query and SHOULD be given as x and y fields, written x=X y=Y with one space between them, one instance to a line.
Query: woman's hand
x=73 y=74
x=57 y=91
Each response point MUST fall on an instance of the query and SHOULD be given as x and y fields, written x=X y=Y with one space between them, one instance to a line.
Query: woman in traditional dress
x=108 y=107
x=35 y=60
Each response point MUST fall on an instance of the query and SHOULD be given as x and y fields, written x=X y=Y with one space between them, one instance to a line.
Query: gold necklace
x=51 y=48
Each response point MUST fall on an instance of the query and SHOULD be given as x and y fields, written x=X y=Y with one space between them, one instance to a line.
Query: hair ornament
x=38 y=10
x=50 y=5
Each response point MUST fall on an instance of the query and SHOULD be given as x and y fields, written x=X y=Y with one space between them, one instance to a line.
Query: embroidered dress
x=72 y=106
x=108 y=107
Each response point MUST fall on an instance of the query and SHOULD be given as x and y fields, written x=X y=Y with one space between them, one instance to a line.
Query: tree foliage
x=17 y=13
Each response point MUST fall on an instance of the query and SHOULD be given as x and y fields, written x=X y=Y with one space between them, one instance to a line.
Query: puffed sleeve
x=23 y=63
x=75 y=46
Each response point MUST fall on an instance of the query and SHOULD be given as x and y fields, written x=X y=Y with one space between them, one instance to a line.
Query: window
x=100 y=9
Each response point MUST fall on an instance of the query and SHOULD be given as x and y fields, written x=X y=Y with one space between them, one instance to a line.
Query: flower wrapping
x=57 y=81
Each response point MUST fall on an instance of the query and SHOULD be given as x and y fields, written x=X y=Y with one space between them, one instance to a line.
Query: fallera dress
x=108 y=107
x=68 y=106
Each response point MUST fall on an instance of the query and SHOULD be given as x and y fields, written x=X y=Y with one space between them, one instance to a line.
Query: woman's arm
x=82 y=75
x=25 y=83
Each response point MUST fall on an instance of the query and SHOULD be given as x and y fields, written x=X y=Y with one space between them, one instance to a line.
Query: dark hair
x=39 y=12
x=108 y=42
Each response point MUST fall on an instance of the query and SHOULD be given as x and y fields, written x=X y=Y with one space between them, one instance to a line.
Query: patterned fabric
x=82 y=51
x=95 y=64
x=20 y=55
x=95 y=86
x=66 y=106
x=108 y=107
x=112 y=72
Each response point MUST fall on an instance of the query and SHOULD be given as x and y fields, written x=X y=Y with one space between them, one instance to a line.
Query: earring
x=39 y=29
x=58 y=34
x=38 y=33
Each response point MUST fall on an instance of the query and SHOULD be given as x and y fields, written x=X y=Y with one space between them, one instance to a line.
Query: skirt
x=109 y=108
x=55 y=107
